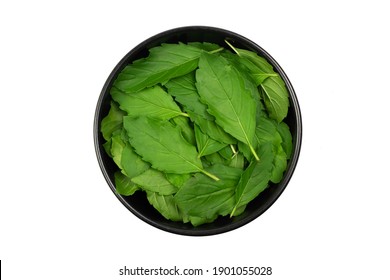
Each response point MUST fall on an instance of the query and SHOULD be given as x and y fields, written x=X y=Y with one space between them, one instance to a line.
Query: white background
x=60 y=220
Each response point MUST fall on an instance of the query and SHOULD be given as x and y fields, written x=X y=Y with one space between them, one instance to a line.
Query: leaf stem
x=234 y=210
x=233 y=149
x=184 y=114
x=216 y=51
x=231 y=46
x=210 y=175
x=254 y=153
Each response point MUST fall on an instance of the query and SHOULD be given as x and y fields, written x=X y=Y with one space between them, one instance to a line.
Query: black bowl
x=138 y=203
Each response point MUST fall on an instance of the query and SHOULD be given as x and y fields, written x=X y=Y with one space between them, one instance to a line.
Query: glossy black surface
x=138 y=203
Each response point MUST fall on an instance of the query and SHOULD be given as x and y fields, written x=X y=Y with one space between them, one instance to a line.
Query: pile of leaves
x=199 y=128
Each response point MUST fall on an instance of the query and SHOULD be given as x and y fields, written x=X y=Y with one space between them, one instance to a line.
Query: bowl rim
x=292 y=161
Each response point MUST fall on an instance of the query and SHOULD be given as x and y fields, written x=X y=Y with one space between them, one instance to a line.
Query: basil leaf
x=209 y=47
x=228 y=152
x=155 y=181
x=266 y=131
x=124 y=185
x=184 y=90
x=206 y=145
x=255 y=178
x=117 y=146
x=275 y=97
x=163 y=63
x=166 y=205
x=203 y=197
x=107 y=148
x=212 y=129
x=261 y=64
x=215 y=158
x=177 y=180
x=197 y=221
x=162 y=144
x=237 y=161
x=112 y=122
x=222 y=88
x=279 y=135
x=132 y=164
x=153 y=102
x=285 y=133
x=251 y=81
x=186 y=130
x=279 y=164
x=273 y=88
x=185 y=93
x=248 y=68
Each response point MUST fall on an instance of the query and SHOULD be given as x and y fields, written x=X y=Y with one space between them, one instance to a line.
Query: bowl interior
x=138 y=203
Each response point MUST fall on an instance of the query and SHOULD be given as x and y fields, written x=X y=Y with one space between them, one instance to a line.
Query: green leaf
x=108 y=144
x=255 y=178
x=186 y=130
x=185 y=92
x=162 y=144
x=266 y=131
x=222 y=87
x=205 y=144
x=215 y=158
x=203 y=197
x=262 y=65
x=117 y=146
x=165 y=204
x=197 y=221
x=167 y=207
x=237 y=161
x=209 y=47
x=212 y=129
x=273 y=88
x=124 y=185
x=275 y=97
x=229 y=156
x=279 y=164
x=177 y=180
x=259 y=78
x=132 y=164
x=163 y=63
x=239 y=211
x=285 y=133
x=251 y=81
x=247 y=67
x=112 y=122
x=153 y=102
x=107 y=147
x=154 y=181
x=228 y=152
